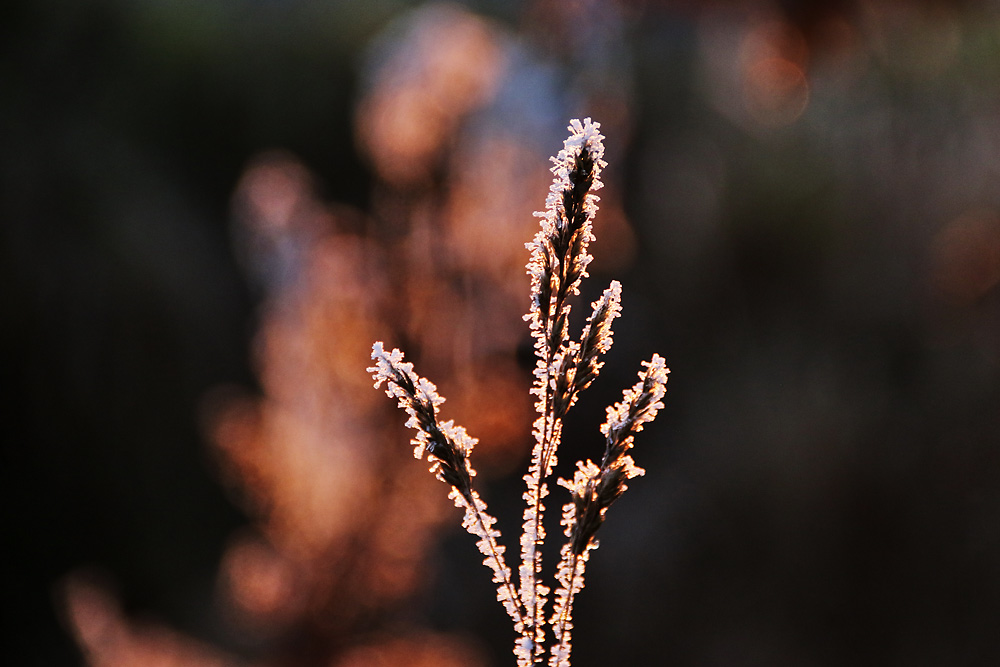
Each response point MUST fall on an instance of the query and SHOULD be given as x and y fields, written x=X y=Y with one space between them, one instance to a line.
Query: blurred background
x=211 y=208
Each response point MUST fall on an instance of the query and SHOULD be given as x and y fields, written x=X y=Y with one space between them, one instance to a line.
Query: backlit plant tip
x=564 y=367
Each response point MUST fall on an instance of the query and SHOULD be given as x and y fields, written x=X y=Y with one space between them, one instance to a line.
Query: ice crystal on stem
x=594 y=488
x=448 y=447
x=558 y=262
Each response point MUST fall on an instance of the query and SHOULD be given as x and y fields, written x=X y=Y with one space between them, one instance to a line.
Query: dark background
x=823 y=486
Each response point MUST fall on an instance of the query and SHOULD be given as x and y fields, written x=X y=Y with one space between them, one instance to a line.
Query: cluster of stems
x=564 y=367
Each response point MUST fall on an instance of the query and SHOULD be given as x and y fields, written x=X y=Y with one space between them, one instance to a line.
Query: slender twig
x=448 y=446
x=563 y=368
x=558 y=263
x=594 y=489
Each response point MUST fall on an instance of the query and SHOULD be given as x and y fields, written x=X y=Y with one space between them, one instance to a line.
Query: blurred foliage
x=804 y=209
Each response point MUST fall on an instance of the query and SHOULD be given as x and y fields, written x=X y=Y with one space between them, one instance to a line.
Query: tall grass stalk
x=564 y=367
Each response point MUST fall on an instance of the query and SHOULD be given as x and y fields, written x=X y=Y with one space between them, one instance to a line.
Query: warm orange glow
x=343 y=514
x=775 y=88
x=492 y=196
x=505 y=421
x=419 y=651
x=261 y=584
x=447 y=64
x=965 y=257
x=274 y=189
x=775 y=39
x=108 y=639
x=817 y=224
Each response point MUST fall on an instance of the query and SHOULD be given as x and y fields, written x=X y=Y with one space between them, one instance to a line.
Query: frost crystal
x=448 y=446
x=563 y=368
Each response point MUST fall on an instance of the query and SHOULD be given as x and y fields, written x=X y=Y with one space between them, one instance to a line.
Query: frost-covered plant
x=563 y=369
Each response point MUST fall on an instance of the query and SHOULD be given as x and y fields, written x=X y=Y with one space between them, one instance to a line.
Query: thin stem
x=558 y=262
x=566 y=612
x=498 y=557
